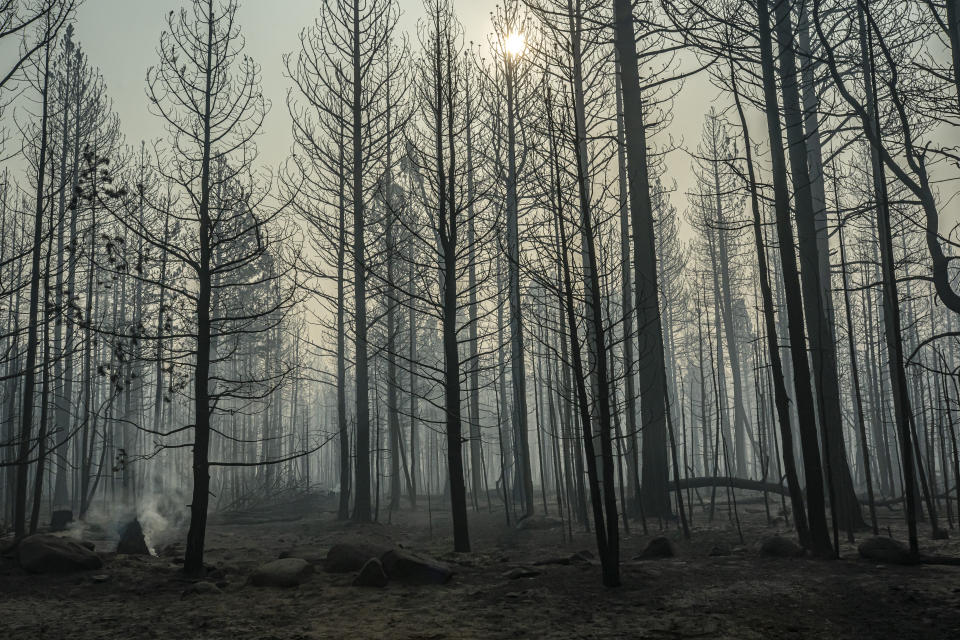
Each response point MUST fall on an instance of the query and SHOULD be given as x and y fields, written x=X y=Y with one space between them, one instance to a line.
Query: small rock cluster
x=376 y=566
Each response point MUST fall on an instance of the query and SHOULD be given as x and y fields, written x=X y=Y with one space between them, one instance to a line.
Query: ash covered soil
x=714 y=587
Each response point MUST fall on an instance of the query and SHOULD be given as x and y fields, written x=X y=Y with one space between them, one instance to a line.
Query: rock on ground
x=288 y=572
x=200 y=588
x=886 y=550
x=347 y=557
x=659 y=547
x=404 y=566
x=44 y=553
x=371 y=575
x=780 y=547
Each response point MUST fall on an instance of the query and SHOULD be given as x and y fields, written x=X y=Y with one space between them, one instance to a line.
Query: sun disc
x=515 y=44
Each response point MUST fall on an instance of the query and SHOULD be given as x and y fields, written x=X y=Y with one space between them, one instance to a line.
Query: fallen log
x=736 y=483
x=770 y=487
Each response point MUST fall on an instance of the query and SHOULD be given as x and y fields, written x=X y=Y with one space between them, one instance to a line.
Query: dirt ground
x=693 y=595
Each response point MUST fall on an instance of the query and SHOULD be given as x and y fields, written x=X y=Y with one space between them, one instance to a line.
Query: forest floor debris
x=695 y=594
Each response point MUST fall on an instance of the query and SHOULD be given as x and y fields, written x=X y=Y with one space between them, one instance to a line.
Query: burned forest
x=491 y=319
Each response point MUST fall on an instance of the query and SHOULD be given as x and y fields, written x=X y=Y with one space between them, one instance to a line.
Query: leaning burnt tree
x=781 y=398
x=599 y=464
x=843 y=501
x=819 y=536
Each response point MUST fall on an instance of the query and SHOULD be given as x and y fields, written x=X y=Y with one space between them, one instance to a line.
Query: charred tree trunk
x=655 y=495
x=33 y=340
x=844 y=504
x=781 y=397
x=819 y=541
x=362 y=506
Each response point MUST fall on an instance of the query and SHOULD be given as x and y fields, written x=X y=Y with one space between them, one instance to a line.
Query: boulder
x=659 y=547
x=347 y=557
x=886 y=550
x=201 y=588
x=410 y=568
x=539 y=523
x=288 y=572
x=44 y=553
x=371 y=575
x=132 y=541
x=780 y=547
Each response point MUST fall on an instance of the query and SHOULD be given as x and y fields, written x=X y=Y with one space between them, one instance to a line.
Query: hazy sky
x=121 y=36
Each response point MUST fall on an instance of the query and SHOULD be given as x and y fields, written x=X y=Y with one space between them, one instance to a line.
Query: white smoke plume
x=163 y=516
